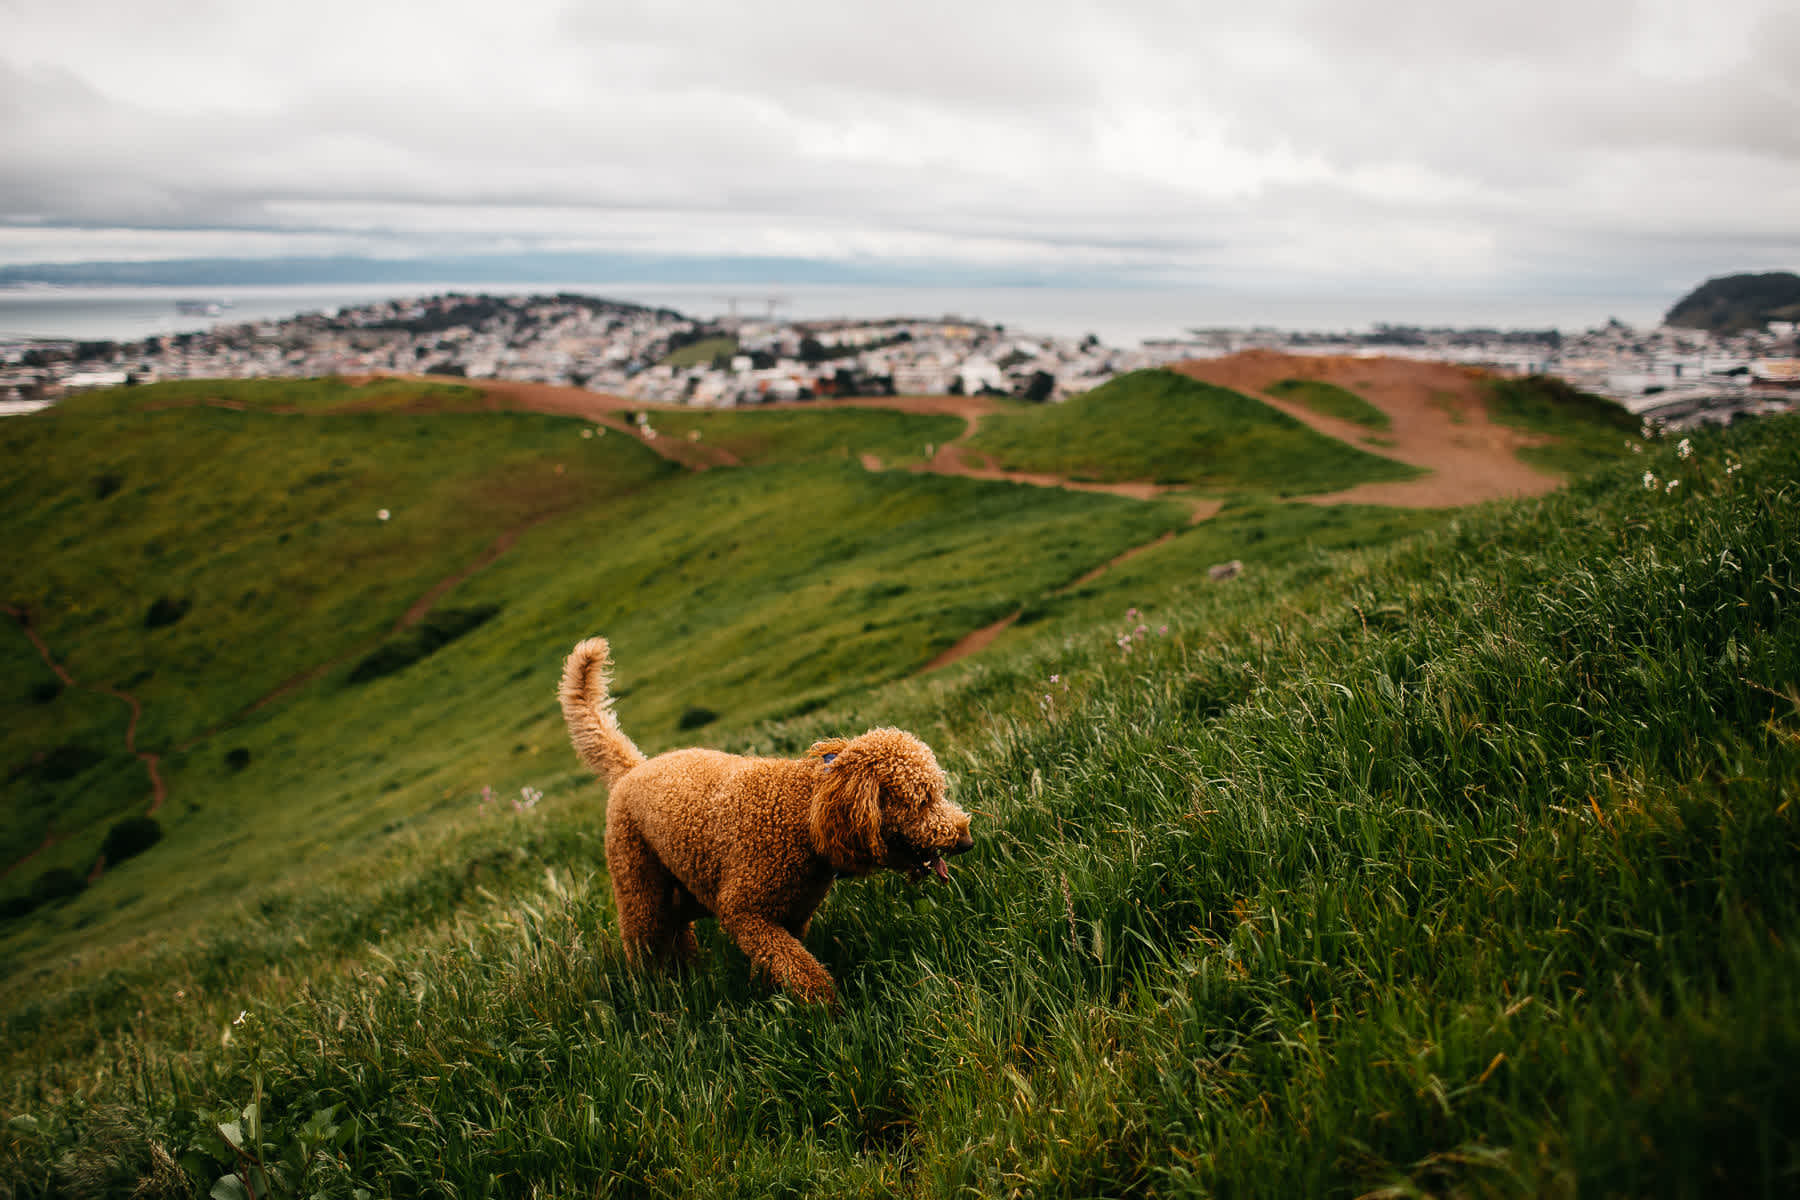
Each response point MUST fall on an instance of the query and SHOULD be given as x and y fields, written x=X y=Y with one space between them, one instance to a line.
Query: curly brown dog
x=755 y=842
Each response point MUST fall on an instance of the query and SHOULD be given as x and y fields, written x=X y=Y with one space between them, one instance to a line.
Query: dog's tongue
x=942 y=868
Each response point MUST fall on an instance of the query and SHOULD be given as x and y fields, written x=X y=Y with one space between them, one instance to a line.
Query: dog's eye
x=829 y=758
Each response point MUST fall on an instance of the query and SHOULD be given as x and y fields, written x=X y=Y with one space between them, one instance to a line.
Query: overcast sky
x=1413 y=144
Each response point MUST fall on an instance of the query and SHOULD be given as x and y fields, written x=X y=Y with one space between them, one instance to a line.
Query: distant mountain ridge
x=1733 y=303
x=545 y=267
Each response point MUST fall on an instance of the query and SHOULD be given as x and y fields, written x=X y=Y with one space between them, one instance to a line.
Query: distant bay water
x=1118 y=316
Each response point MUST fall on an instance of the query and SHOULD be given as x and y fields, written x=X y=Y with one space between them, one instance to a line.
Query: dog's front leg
x=780 y=953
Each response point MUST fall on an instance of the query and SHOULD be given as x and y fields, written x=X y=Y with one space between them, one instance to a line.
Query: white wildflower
x=240 y=1017
x=381 y=514
x=1672 y=485
x=1684 y=448
x=1649 y=482
x=587 y=433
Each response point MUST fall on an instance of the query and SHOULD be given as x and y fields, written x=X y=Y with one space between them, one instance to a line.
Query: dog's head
x=878 y=802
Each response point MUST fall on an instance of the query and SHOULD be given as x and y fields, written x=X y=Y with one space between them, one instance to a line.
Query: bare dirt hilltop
x=1439 y=415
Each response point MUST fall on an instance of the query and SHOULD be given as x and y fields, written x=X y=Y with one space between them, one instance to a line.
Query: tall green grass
x=1463 y=870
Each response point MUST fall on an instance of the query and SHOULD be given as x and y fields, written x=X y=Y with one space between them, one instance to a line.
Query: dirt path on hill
x=1439 y=417
x=950 y=458
x=159 y=792
x=1438 y=422
x=981 y=638
x=602 y=409
x=415 y=612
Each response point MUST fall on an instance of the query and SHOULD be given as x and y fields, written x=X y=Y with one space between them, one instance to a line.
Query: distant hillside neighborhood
x=657 y=355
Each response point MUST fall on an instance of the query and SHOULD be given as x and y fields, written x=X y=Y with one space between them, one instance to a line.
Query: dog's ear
x=846 y=808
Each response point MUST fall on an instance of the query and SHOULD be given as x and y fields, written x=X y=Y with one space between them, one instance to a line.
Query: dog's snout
x=965 y=842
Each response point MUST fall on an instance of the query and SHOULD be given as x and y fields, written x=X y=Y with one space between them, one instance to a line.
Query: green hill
x=1733 y=303
x=1436 y=854
x=756 y=438
x=743 y=594
x=1163 y=426
x=1330 y=400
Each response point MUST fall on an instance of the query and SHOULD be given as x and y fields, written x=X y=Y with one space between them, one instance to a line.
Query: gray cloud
x=1301 y=139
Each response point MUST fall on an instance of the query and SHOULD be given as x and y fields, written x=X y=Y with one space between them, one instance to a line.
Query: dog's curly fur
x=755 y=842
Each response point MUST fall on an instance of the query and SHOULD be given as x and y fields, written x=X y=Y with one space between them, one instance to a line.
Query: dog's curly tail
x=587 y=708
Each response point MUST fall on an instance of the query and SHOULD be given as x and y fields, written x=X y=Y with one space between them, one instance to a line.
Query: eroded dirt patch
x=1439 y=417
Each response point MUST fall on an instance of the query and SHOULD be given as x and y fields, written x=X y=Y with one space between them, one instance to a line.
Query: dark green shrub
x=434 y=632
x=694 y=718
x=58 y=883
x=14 y=907
x=166 y=610
x=130 y=837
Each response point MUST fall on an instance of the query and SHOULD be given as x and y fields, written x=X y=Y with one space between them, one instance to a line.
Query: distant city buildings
x=660 y=356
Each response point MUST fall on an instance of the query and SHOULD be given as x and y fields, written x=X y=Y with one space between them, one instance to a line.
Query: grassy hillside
x=1166 y=427
x=1733 y=303
x=199 y=557
x=702 y=352
x=1465 y=867
x=1328 y=399
x=299 y=728
x=801 y=435
x=1581 y=431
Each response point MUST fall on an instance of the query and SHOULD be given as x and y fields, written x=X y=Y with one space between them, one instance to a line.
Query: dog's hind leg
x=646 y=895
x=687 y=910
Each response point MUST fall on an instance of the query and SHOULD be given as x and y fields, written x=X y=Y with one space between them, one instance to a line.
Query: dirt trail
x=415 y=613
x=951 y=458
x=602 y=409
x=1440 y=422
x=159 y=792
x=971 y=643
x=981 y=638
